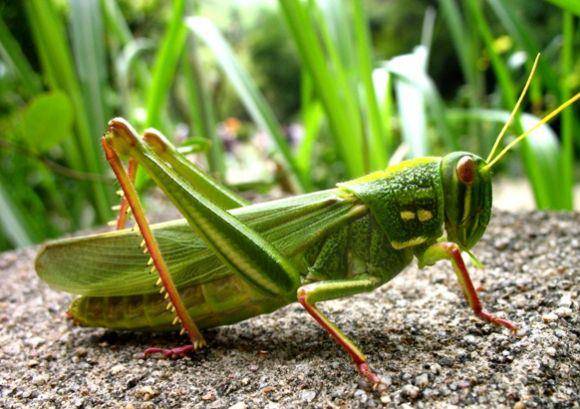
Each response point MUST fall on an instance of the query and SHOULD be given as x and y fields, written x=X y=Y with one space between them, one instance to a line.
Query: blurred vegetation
x=290 y=95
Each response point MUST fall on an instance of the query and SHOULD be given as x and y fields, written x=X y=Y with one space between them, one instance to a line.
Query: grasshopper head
x=467 y=193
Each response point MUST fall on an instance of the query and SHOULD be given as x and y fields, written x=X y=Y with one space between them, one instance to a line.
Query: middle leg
x=310 y=294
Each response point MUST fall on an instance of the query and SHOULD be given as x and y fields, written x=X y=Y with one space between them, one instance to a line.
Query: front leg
x=452 y=252
x=308 y=295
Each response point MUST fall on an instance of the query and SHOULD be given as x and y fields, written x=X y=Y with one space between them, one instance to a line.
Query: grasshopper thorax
x=467 y=195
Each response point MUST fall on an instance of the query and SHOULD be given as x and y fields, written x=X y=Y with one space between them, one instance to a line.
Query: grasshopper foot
x=177 y=352
x=489 y=317
x=376 y=382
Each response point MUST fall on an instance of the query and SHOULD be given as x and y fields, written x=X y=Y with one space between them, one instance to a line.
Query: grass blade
x=459 y=35
x=253 y=100
x=12 y=55
x=201 y=108
x=83 y=152
x=383 y=85
x=517 y=28
x=416 y=93
x=88 y=47
x=115 y=22
x=312 y=119
x=377 y=136
x=166 y=62
x=567 y=64
x=131 y=76
x=573 y=6
x=541 y=185
x=329 y=84
x=124 y=51
x=409 y=69
x=336 y=39
x=12 y=222
x=335 y=16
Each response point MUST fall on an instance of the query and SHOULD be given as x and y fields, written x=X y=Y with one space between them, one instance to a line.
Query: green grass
x=538 y=165
x=253 y=100
x=358 y=107
x=59 y=70
x=166 y=63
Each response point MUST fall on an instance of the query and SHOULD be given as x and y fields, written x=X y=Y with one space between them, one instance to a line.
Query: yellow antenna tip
x=514 y=110
x=541 y=122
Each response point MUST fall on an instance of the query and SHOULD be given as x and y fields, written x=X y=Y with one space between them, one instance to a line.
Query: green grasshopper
x=228 y=261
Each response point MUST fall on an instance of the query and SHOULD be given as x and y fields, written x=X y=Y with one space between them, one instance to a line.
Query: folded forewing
x=113 y=264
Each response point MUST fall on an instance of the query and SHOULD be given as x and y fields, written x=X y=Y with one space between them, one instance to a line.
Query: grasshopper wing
x=112 y=264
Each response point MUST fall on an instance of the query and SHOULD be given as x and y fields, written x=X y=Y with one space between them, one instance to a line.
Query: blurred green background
x=274 y=97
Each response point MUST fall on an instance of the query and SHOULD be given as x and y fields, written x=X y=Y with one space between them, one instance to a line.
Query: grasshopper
x=227 y=260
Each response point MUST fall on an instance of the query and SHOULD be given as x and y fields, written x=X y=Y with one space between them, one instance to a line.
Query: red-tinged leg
x=156 y=261
x=452 y=252
x=124 y=206
x=309 y=294
x=176 y=352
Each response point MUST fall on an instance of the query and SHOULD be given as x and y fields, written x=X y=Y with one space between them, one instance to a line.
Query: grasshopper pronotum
x=228 y=260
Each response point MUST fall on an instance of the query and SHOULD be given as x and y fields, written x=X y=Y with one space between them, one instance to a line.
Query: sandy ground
x=417 y=331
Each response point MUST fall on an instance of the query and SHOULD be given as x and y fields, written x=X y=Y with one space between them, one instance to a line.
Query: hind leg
x=156 y=261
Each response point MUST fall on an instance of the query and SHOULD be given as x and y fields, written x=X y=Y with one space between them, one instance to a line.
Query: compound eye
x=466 y=170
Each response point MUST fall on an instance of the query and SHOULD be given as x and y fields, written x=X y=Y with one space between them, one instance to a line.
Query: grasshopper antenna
x=515 y=110
x=520 y=138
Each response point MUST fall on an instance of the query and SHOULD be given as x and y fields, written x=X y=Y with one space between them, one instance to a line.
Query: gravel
x=417 y=331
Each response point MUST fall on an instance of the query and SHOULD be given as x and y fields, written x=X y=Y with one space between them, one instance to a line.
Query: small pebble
x=81 y=352
x=464 y=384
x=565 y=300
x=446 y=361
x=502 y=243
x=307 y=395
x=209 y=396
x=32 y=363
x=549 y=317
x=267 y=389
x=563 y=312
x=117 y=369
x=361 y=396
x=410 y=391
x=147 y=392
x=422 y=380
x=40 y=379
x=35 y=342
x=239 y=405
